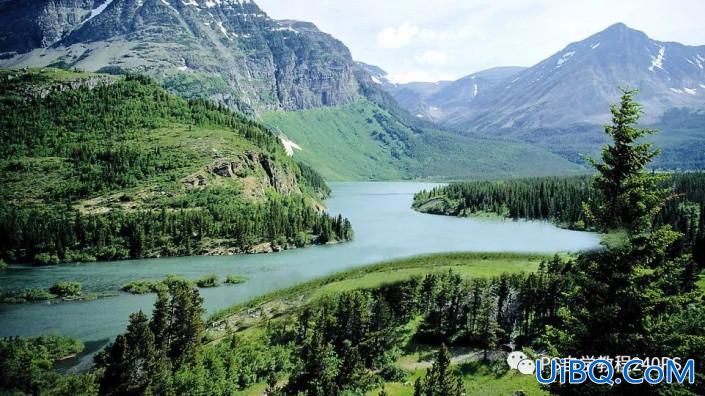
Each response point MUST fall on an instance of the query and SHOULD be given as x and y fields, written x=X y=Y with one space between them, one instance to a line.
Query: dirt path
x=458 y=355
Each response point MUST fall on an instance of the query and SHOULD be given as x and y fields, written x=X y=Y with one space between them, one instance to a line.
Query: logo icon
x=519 y=361
x=527 y=367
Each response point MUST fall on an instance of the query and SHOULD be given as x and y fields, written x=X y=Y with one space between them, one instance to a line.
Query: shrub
x=66 y=289
x=144 y=286
x=235 y=279
x=393 y=373
x=46 y=259
x=23 y=296
x=208 y=281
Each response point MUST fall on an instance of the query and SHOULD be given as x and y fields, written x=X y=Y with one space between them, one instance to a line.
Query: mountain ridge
x=562 y=102
x=228 y=51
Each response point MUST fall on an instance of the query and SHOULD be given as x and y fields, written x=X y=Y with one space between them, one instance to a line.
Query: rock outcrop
x=253 y=165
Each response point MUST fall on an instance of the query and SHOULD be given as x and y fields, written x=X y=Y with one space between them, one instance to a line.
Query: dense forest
x=103 y=168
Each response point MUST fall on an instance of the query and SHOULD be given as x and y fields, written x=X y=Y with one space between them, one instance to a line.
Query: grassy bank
x=468 y=264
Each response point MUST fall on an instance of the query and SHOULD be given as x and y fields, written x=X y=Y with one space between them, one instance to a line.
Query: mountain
x=562 y=102
x=577 y=85
x=97 y=167
x=441 y=100
x=283 y=72
x=229 y=51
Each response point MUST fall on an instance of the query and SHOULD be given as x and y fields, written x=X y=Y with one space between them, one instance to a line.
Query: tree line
x=52 y=234
x=563 y=200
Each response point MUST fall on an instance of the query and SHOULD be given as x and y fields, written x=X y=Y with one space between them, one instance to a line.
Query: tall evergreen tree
x=629 y=300
x=630 y=197
x=439 y=380
x=129 y=360
x=318 y=369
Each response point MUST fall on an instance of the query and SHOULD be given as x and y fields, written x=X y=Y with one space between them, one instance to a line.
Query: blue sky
x=432 y=40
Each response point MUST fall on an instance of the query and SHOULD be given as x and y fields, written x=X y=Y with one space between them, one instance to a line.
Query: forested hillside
x=96 y=167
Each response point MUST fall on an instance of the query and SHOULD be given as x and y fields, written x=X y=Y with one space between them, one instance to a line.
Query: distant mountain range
x=231 y=52
x=575 y=85
x=562 y=101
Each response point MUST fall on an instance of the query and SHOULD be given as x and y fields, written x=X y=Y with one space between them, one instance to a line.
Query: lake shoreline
x=386 y=228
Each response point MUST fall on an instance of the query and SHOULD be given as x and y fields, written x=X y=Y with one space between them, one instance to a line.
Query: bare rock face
x=283 y=180
x=228 y=51
x=89 y=83
x=26 y=25
x=250 y=163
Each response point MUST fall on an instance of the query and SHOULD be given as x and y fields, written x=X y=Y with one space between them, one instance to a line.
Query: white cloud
x=408 y=33
x=432 y=57
x=398 y=37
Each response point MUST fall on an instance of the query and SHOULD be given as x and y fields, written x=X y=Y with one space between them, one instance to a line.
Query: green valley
x=364 y=141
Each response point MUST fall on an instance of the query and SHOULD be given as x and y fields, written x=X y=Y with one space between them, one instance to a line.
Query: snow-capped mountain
x=577 y=84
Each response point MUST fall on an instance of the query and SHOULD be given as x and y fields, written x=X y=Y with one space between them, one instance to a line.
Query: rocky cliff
x=229 y=51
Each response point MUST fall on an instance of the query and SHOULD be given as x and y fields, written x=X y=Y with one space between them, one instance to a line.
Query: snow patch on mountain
x=214 y=3
x=98 y=10
x=657 y=61
x=565 y=58
x=223 y=29
x=699 y=60
x=289 y=145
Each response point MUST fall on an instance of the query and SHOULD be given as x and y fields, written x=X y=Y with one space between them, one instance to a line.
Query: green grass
x=468 y=264
x=362 y=141
x=338 y=141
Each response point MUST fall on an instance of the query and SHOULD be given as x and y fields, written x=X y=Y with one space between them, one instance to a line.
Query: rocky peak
x=228 y=51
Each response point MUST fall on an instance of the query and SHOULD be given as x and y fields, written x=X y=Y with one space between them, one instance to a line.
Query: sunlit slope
x=363 y=141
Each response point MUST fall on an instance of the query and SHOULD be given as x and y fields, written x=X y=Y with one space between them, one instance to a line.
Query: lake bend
x=385 y=228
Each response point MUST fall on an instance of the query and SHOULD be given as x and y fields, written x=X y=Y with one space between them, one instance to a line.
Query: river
x=385 y=228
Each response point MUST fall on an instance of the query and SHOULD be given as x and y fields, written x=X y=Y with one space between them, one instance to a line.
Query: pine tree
x=439 y=380
x=129 y=360
x=272 y=388
x=629 y=195
x=160 y=321
x=318 y=370
x=187 y=327
x=629 y=300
